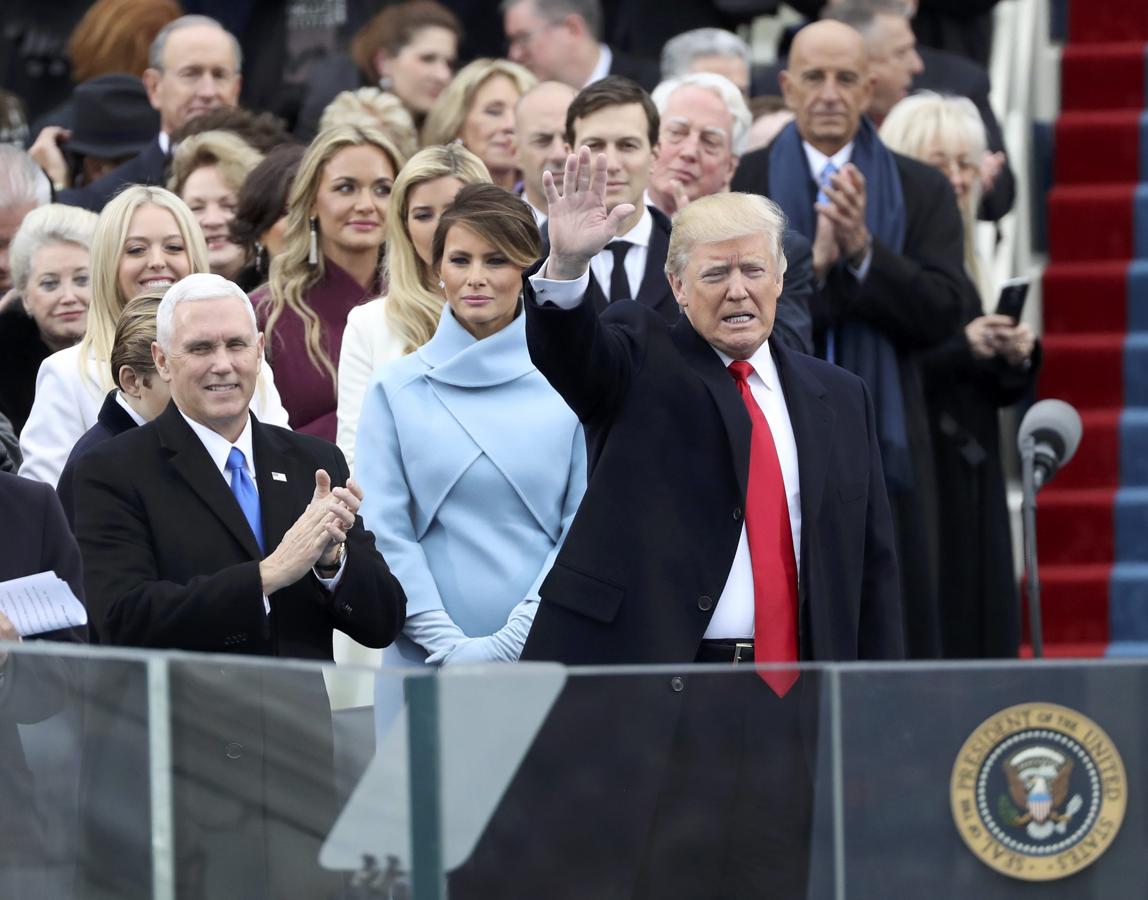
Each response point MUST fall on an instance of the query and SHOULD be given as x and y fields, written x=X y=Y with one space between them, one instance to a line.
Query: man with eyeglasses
x=704 y=126
x=560 y=40
x=194 y=67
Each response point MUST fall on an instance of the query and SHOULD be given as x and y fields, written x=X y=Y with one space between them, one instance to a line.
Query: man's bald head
x=540 y=124
x=827 y=84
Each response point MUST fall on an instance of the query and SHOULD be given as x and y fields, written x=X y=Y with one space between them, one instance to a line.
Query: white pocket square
x=278 y=476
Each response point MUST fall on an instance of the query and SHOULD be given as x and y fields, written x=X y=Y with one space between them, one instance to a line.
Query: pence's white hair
x=197 y=287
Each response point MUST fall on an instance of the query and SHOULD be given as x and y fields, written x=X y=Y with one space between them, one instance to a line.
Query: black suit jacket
x=112 y=420
x=149 y=166
x=640 y=69
x=629 y=582
x=172 y=563
x=32 y=688
x=643 y=565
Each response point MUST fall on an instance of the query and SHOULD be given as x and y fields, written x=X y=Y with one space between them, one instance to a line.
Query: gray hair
x=725 y=89
x=679 y=52
x=46 y=226
x=22 y=182
x=723 y=217
x=555 y=10
x=193 y=288
x=861 y=15
x=155 y=52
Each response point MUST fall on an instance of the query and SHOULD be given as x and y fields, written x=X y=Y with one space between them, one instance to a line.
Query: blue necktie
x=828 y=172
x=244 y=490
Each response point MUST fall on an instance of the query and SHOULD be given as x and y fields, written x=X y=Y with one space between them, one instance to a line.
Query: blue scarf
x=859 y=347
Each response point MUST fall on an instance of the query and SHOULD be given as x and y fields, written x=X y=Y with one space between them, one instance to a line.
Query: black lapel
x=113 y=416
x=596 y=295
x=812 y=420
x=190 y=459
x=284 y=477
x=708 y=366
x=655 y=291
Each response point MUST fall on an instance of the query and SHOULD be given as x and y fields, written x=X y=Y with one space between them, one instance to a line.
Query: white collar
x=165 y=143
x=127 y=407
x=602 y=67
x=817 y=159
x=639 y=235
x=540 y=215
x=763 y=365
x=219 y=448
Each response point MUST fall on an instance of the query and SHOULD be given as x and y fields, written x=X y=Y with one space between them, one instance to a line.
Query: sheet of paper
x=39 y=603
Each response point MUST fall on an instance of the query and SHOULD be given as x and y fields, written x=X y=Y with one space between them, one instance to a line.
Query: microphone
x=1054 y=427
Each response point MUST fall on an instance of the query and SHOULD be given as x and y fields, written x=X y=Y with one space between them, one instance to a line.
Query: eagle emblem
x=1038 y=783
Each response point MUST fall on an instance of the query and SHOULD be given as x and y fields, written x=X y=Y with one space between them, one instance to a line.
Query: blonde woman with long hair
x=987 y=366
x=477 y=109
x=407 y=317
x=331 y=262
x=146 y=239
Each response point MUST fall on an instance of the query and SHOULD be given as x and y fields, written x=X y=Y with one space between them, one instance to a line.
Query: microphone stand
x=1028 y=517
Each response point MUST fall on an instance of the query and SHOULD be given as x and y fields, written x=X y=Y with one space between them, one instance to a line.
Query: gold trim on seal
x=1066 y=787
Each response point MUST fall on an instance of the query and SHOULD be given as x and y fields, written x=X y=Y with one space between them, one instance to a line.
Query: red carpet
x=1090 y=310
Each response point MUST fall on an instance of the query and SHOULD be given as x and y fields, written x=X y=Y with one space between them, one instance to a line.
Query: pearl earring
x=313 y=253
x=442 y=285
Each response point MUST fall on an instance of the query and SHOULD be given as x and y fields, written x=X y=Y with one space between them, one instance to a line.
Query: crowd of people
x=478 y=298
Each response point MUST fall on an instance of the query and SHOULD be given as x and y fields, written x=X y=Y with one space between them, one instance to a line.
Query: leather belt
x=725 y=651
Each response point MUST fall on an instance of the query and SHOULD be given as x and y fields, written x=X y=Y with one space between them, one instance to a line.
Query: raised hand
x=579 y=223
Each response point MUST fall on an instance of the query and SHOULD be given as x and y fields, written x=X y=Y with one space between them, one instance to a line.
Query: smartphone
x=1012 y=297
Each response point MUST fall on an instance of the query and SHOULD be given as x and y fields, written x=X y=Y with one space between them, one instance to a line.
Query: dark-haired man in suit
x=206 y=530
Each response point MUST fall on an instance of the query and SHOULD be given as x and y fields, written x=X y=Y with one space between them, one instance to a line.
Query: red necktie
x=770 y=547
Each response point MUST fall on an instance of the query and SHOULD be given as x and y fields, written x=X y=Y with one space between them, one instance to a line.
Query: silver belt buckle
x=738 y=647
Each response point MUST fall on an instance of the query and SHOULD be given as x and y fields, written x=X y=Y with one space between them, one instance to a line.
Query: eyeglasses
x=520 y=38
x=713 y=141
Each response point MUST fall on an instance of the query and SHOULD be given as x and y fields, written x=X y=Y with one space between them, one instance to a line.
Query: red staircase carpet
x=1093 y=519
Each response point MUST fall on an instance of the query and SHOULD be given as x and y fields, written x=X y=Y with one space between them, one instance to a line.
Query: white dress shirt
x=602 y=66
x=126 y=407
x=733 y=615
x=219 y=449
x=817 y=161
x=602 y=265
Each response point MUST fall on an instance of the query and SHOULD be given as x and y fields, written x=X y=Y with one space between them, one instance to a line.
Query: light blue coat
x=472 y=469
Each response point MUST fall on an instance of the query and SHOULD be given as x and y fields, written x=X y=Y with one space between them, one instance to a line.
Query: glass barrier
x=155 y=775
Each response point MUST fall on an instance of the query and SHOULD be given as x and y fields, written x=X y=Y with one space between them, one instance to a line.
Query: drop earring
x=442 y=285
x=313 y=254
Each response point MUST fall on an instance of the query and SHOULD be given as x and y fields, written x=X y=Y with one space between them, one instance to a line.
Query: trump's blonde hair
x=724 y=217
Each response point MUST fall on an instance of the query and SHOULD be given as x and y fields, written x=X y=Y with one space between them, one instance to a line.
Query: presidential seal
x=1038 y=792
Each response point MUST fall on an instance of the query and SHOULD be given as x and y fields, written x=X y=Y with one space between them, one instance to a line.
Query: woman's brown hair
x=115 y=36
x=495 y=215
x=394 y=27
